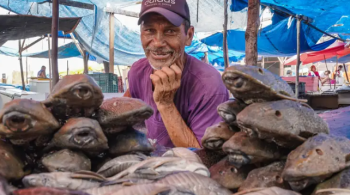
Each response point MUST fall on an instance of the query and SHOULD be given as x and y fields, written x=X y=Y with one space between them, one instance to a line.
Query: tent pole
x=298 y=59
x=50 y=65
x=20 y=63
x=86 y=60
x=111 y=43
x=225 y=47
x=67 y=68
x=54 y=34
x=251 y=34
x=335 y=77
x=346 y=72
x=27 y=70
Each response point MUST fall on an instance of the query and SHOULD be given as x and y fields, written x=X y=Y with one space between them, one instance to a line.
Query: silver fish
x=267 y=191
x=152 y=189
x=183 y=153
x=66 y=161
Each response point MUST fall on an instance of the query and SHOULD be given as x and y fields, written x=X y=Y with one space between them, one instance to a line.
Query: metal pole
x=50 y=64
x=67 y=68
x=335 y=77
x=298 y=59
x=20 y=63
x=346 y=72
x=111 y=43
x=251 y=34
x=54 y=33
x=26 y=70
x=225 y=47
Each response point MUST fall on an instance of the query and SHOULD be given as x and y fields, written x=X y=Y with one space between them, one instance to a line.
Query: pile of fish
x=272 y=143
x=77 y=143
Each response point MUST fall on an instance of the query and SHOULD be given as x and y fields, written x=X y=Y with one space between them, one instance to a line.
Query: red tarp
x=337 y=49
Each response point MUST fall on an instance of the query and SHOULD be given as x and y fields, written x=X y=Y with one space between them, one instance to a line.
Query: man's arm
x=166 y=82
x=127 y=94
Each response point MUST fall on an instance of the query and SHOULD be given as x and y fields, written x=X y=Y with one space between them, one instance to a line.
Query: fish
x=129 y=141
x=154 y=167
x=316 y=160
x=11 y=165
x=119 y=113
x=338 y=181
x=284 y=122
x=216 y=135
x=75 y=95
x=197 y=183
x=66 y=161
x=152 y=189
x=229 y=111
x=266 y=177
x=209 y=157
x=4 y=186
x=24 y=120
x=252 y=84
x=47 y=191
x=183 y=153
x=228 y=175
x=64 y=180
x=242 y=149
x=104 y=190
x=267 y=191
x=81 y=134
x=120 y=164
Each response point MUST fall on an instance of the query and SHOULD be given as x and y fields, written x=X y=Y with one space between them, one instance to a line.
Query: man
x=183 y=91
x=42 y=72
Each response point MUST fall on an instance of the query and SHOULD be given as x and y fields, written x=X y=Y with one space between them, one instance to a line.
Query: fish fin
x=291 y=98
x=88 y=175
x=128 y=184
x=102 y=171
x=146 y=171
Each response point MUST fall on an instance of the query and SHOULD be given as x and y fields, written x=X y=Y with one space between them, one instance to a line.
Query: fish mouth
x=214 y=143
x=83 y=136
x=298 y=185
x=228 y=117
x=144 y=115
x=17 y=122
x=82 y=91
x=233 y=80
x=238 y=158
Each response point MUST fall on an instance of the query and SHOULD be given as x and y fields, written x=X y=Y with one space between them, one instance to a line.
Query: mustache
x=160 y=50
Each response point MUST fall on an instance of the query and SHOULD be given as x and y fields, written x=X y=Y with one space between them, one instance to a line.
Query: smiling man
x=183 y=91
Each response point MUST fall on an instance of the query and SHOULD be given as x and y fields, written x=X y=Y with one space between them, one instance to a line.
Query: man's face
x=163 y=43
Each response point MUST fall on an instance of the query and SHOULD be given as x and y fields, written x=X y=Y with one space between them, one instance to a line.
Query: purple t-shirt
x=197 y=99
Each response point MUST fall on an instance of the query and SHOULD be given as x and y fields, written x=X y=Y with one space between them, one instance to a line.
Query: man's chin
x=159 y=65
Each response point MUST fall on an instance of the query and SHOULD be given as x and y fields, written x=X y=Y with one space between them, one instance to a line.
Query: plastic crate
x=107 y=81
x=301 y=87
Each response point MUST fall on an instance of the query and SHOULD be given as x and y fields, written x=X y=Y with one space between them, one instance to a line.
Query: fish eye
x=260 y=71
x=278 y=113
x=17 y=122
x=82 y=92
x=319 y=152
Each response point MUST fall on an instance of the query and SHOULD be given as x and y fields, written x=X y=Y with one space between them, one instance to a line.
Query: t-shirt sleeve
x=205 y=114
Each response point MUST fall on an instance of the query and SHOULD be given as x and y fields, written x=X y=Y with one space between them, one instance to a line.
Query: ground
x=338 y=121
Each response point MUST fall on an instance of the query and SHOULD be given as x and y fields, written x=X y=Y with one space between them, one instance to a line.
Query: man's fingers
x=156 y=80
x=163 y=76
x=171 y=74
x=178 y=72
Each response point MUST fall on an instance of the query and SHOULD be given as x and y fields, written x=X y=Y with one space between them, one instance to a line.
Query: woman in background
x=313 y=72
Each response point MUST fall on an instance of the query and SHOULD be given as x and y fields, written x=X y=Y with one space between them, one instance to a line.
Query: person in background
x=184 y=92
x=325 y=79
x=289 y=73
x=313 y=72
x=42 y=73
x=338 y=74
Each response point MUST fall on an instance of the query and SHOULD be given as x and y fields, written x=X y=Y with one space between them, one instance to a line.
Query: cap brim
x=172 y=17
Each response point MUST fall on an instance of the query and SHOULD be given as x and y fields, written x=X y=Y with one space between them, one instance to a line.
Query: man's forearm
x=180 y=134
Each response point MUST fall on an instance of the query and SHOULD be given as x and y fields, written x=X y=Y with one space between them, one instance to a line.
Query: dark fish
x=216 y=135
x=198 y=184
x=316 y=160
x=265 y=177
x=24 y=119
x=116 y=114
x=242 y=150
x=82 y=134
x=254 y=84
x=129 y=141
x=11 y=166
x=183 y=153
x=64 y=180
x=228 y=175
x=47 y=191
x=229 y=111
x=75 y=95
x=209 y=157
x=66 y=161
x=284 y=122
x=120 y=164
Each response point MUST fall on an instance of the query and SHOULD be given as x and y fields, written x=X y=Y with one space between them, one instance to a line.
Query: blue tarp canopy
x=274 y=40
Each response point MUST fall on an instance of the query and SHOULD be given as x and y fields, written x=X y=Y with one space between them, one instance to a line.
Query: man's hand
x=166 y=82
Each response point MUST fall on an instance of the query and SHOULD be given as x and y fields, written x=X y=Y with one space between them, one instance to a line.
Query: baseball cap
x=176 y=11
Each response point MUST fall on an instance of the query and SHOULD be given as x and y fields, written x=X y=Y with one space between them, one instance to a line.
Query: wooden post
x=86 y=61
x=67 y=68
x=251 y=34
x=106 y=66
x=263 y=62
x=50 y=64
x=298 y=60
x=111 y=43
x=225 y=47
x=21 y=65
x=54 y=33
x=27 y=70
x=335 y=77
